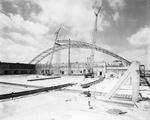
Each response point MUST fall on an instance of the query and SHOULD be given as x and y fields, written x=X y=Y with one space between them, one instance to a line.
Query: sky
x=27 y=27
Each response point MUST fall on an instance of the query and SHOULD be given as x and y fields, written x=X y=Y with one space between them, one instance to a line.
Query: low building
x=16 y=68
x=79 y=68
x=62 y=68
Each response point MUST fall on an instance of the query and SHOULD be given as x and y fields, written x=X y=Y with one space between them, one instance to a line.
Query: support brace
x=131 y=72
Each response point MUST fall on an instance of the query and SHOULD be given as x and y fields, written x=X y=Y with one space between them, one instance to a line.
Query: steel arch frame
x=75 y=44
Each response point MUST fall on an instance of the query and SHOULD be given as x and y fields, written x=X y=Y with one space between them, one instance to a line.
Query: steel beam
x=75 y=44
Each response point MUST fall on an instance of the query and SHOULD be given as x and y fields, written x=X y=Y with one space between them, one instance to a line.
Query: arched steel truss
x=75 y=44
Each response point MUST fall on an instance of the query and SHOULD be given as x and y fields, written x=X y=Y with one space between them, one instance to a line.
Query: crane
x=91 y=71
x=55 y=43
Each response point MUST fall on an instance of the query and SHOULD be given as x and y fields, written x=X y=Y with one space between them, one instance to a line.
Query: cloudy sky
x=27 y=28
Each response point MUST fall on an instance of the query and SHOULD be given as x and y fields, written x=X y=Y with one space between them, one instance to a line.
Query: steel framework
x=75 y=44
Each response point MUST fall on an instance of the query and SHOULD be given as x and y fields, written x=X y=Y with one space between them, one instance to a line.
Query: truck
x=89 y=74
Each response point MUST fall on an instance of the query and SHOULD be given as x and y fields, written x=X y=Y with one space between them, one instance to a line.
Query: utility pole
x=94 y=41
x=53 y=50
x=69 y=65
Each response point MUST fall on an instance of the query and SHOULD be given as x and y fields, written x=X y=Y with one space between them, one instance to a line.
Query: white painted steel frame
x=75 y=44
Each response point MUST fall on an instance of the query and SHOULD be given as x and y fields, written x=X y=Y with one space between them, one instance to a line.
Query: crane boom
x=54 y=48
x=94 y=40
